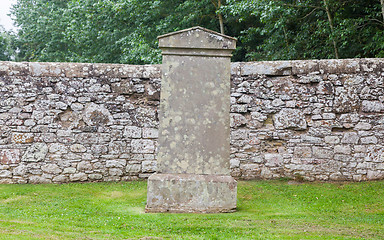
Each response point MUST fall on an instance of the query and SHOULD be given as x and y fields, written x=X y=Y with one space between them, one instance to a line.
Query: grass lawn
x=266 y=210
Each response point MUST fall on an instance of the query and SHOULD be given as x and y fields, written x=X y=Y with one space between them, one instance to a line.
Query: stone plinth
x=191 y=193
x=193 y=157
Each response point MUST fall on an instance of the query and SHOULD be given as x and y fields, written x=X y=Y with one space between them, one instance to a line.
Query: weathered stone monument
x=193 y=159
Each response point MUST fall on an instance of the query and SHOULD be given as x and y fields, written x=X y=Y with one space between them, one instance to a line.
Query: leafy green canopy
x=125 y=31
x=7 y=48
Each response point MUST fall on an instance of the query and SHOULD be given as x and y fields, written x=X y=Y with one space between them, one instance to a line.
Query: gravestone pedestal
x=193 y=160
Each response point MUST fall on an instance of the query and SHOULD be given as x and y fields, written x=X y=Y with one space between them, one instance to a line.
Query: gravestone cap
x=197 y=38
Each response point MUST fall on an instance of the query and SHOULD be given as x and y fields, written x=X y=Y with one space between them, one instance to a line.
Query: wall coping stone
x=272 y=68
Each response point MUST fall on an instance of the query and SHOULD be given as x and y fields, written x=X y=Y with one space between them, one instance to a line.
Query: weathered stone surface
x=341 y=103
x=39 y=180
x=302 y=152
x=35 y=153
x=150 y=133
x=58 y=148
x=194 y=132
x=290 y=118
x=51 y=168
x=133 y=168
x=372 y=106
x=350 y=137
x=22 y=138
x=320 y=152
x=20 y=170
x=84 y=166
x=191 y=193
x=5 y=173
x=149 y=166
x=142 y=146
x=78 y=148
x=121 y=163
x=132 y=132
x=9 y=156
x=96 y=115
x=78 y=177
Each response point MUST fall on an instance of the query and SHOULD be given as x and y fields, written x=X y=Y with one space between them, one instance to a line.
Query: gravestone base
x=191 y=193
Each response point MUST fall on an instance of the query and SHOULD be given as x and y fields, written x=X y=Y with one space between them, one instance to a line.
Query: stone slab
x=191 y=193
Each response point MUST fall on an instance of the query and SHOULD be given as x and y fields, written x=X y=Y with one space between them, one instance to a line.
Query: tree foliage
x=7 y=47
x=125 y=31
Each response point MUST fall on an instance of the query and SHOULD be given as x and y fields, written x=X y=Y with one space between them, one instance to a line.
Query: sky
x=5 y=20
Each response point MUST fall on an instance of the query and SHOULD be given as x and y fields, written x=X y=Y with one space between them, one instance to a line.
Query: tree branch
x=382 y=7
x=331 y=27
x=220 y=18
x=305 y=6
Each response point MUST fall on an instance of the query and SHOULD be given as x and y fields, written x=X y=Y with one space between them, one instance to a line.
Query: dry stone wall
x=67 y=122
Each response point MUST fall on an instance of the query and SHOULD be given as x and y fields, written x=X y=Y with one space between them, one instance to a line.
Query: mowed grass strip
x=266 y=210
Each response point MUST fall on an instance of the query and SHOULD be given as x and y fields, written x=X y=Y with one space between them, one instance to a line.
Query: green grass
x=266 y=210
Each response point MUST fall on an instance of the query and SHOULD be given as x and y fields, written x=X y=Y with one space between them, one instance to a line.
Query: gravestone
x=193 y=158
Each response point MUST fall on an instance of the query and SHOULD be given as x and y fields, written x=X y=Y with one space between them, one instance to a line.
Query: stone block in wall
x=273 y=159
x=115 y=172
x=346 y=100
x=35 y=153
x=69 y=170
x=5 y=174
x=99 y=149
x=344 y=149
x=84 y=166
x=237 y=120
x=118 y=163
x=372 y=106
x=41 y=69
x=78 y=70
x=372 y=65
x=239 y=134
x=14 y=69
x=95 y=176
x=290 y=118
x=38 y=180
x=350 y=138
x=51 y=168
x=96 y=115
x=266 y=68
x=22 y=138
x=339 y=66
x=239 y=108
x=332 y=139
x=78 y=148
x=150 y=133
x=58 y=148
x=9 y=156
x=142 y=146
x=369 y=140
x=78 y=177
x=148 y=166
x=87 y=138
x=322 y=153
x=20 y=170
x=305 y=67
x=60 y=179
x=132 y=132
x=375 y=175
x=133 y=168
x=302 y=152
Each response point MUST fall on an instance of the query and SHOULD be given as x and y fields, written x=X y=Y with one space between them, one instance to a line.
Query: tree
x=125 y=31
x=7 y=49
x=302 y=29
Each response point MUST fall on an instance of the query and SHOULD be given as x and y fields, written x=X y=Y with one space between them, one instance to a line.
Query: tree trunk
x=331 y=26
x=221 y=17
x=382 y=8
